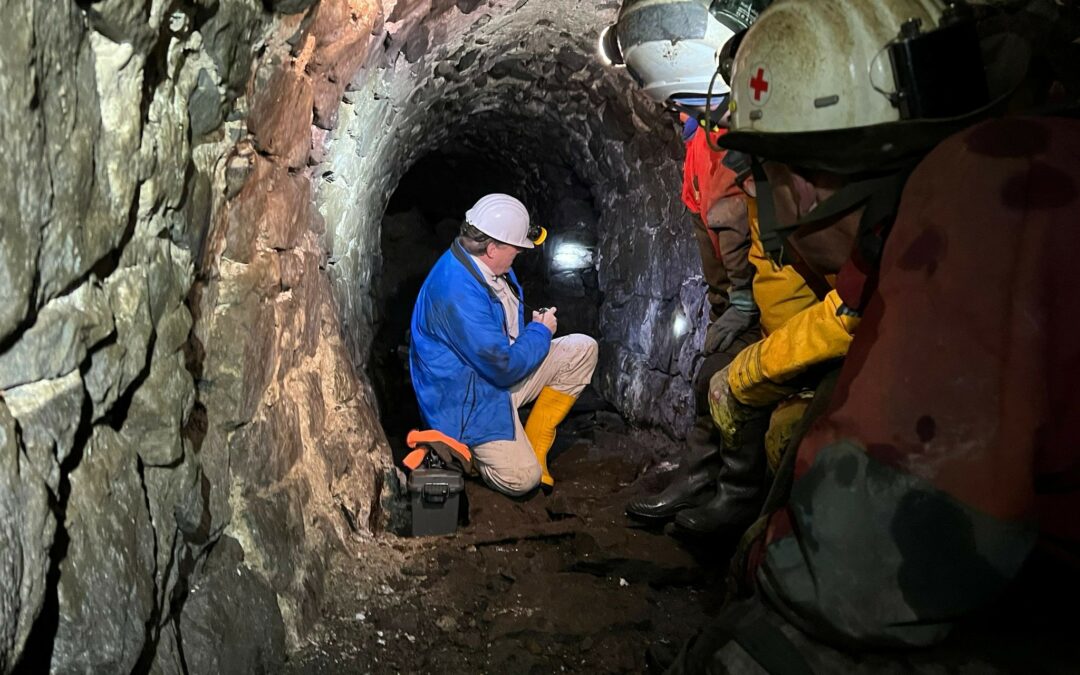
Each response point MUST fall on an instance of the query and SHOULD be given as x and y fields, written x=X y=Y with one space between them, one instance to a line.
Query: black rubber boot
x=695 y=484
x=740 y=485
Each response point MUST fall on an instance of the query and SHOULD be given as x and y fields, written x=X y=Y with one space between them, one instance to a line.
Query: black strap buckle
x=436 y=493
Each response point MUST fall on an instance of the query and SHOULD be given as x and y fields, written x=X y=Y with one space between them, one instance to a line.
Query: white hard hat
x=811 y=66
x=505 y=219
x=814 y=82
x=670 y=46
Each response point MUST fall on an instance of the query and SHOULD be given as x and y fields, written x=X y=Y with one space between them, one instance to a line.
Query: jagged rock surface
x=157 y=391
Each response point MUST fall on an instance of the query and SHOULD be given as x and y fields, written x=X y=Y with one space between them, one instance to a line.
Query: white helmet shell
x=808 y=65
x=671 y=46
x=503 y=218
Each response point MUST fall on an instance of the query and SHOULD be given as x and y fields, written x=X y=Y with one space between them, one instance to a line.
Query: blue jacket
x=461 y=357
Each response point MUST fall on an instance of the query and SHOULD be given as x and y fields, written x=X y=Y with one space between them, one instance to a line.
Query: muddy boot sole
x=644 y=519
x=666 y=516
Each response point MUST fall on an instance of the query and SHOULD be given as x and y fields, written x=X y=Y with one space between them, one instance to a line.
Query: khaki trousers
x=510 y=466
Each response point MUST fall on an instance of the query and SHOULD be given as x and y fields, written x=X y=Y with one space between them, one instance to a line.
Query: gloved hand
x=740 y=315
x=732 y=418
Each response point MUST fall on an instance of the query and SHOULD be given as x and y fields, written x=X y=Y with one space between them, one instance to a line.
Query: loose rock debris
x=559 y=583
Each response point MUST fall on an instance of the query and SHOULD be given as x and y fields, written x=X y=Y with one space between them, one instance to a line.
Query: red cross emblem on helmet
x=760 y=85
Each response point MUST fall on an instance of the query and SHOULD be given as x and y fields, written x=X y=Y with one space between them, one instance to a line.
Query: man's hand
x=547 y=317
x=721 y=333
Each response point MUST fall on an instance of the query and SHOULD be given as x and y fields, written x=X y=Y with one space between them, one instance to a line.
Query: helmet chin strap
x=712 y=117
x=710 y=120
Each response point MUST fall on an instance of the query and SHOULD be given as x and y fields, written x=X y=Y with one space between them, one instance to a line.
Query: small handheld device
x=542 y=310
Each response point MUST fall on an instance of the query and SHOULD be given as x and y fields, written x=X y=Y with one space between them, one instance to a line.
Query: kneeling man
x=474 y=360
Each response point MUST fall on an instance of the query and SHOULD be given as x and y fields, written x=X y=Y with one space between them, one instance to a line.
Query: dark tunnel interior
x=420 y=222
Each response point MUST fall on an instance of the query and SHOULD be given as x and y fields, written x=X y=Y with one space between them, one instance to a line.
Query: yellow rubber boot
x=549 y=410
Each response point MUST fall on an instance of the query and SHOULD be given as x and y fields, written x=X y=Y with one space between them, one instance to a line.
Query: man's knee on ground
x=519 y=481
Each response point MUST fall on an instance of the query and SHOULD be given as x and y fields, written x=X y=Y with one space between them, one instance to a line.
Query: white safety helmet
x=505 y=219
x=823 y=84
x=671 y=46
x=811 y=66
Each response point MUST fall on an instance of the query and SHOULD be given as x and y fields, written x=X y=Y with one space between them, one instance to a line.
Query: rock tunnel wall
x=189 y=203
x=183 y=440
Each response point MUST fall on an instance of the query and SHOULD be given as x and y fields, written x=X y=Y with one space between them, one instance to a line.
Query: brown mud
x=567 y=583
x=552 y=583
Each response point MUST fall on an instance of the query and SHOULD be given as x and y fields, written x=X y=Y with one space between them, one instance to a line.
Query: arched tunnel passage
x=539 y=104
x=520 y=105
x=515 y=100
x=423 y=217
x=603 y=222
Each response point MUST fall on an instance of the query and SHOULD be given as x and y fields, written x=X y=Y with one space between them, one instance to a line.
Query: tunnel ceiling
x=520 y=82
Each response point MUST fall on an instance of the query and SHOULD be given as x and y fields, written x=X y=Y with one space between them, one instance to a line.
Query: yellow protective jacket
x=780 y=292
x=800 y=330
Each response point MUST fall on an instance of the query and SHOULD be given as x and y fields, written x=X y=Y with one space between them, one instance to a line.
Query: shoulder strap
x=511 y=280
x=462 y=257
x=772 y=234
x=877 y=220
x=770 y=648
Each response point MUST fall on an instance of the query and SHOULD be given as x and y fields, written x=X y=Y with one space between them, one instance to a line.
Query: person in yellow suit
x=758 y=399
x=801 y=329
x=669 y=47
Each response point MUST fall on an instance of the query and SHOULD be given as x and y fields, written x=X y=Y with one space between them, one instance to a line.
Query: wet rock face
x=26 y=532
x=172 y=374
x=215 y=627
x=106 y=582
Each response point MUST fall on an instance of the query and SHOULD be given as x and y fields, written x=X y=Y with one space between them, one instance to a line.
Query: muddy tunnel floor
x=567 y=583
x=560 y=582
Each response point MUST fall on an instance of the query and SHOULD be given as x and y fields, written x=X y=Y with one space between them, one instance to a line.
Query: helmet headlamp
x=608 y=47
